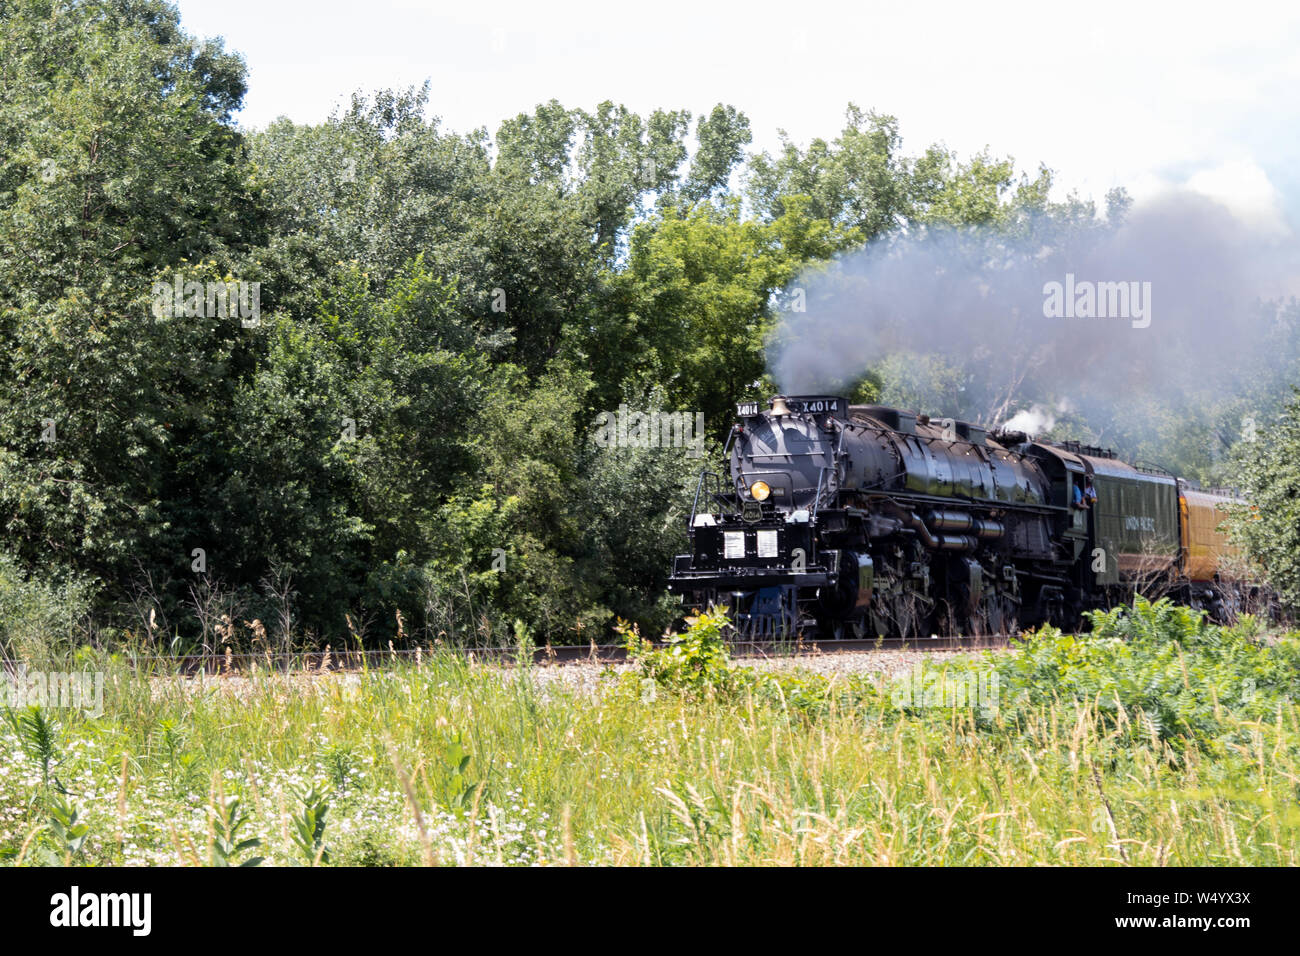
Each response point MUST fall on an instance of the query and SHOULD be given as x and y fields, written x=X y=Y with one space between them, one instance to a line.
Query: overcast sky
x=1105 y=93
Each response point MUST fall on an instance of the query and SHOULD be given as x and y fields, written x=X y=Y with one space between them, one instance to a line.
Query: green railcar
x=1135 y=518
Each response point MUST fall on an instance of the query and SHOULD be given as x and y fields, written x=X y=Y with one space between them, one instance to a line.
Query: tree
x=120 y=167
x=1268 y=528
x=859 y=181
x=376 y=184
x=355 y=428
x=120 y=158
x=698 y=295
x=722 y=137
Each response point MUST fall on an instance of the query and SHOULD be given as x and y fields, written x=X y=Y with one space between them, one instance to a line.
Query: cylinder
x=985 y=528
x=950 y=521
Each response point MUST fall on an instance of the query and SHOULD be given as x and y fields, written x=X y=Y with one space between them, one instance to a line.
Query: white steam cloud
x=1033 y=421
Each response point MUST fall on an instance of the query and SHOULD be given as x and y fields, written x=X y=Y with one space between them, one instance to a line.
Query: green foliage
x=722 y=137
x=861 y=182
x=121 y=166
x=340 y=763
x=66 y=834
x=790 y=766
x=920 y=381
x=308 y=833
x=40 y=622
x=226 y=846
x=1156 y=672
x=858 y=181
x=634 y=504
x=694 y=663
x=39 y=736
x=459 y=790
x=356 y=427
x=698 y=292
x=1269 y=527
x=109 y=113
x=182 y=763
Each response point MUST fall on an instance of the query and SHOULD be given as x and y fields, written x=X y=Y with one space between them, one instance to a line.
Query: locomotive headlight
x=760 y=490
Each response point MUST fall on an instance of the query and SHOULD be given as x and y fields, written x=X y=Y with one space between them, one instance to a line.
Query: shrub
x=1157 y=670
x=40 y=622
x=694 y=663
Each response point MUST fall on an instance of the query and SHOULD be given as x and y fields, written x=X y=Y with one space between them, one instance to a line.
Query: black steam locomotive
x=866 y=520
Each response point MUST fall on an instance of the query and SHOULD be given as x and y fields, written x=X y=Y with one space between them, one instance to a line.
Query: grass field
x=1158 y=740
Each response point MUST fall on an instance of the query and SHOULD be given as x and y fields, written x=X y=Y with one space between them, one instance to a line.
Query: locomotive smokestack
x=779 y=407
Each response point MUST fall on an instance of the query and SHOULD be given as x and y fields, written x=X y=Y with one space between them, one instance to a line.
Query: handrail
x=699 y=484
x=706 y=473
x=731 y=437
x=817 y=497
x=836 y=453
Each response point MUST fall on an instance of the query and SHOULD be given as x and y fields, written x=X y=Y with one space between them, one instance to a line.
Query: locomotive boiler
x=867 y=520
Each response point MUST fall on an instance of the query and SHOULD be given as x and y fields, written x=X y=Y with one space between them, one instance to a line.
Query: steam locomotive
x=865 y=520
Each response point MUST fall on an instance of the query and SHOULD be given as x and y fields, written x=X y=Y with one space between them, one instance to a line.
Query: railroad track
x=352 y=660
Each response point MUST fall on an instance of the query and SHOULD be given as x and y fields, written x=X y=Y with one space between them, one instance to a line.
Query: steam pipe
x=942 y=542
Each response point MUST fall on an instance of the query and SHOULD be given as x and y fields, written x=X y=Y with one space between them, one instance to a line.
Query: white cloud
x=1245 y=189
x=1240 y=185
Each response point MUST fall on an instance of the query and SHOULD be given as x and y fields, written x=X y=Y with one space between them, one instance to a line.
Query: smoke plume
x=985 y=324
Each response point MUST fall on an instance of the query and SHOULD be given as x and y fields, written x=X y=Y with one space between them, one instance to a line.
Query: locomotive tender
x=867 y=520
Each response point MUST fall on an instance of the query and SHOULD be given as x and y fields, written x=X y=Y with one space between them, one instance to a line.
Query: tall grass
x=443 y=761
x=41 y=622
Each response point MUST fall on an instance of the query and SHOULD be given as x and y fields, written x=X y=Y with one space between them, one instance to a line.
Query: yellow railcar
x=1205 y=542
